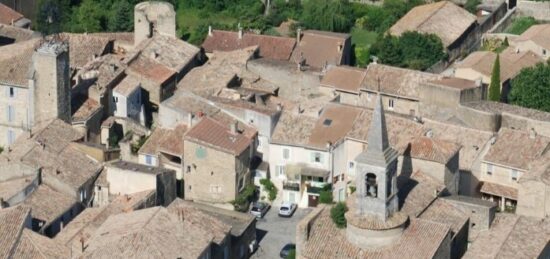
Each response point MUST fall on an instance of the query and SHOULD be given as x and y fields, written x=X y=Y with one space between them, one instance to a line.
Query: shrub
x=325 y=196
x=337 y=214
x=352 y=189
x=244 y=198
x=520 y=25
x=270 y=188
x=291 y=254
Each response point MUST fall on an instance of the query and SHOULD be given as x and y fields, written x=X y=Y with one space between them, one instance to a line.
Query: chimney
x=532 y=133
x=189 y=120
x=233 y=127
x=298 y=35
x=240 y=32
x=430 y=133
x=209 y=30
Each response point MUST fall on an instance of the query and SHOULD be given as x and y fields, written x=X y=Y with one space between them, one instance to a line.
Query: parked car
x=287 y=209
x=259 y=209
x=286 y=250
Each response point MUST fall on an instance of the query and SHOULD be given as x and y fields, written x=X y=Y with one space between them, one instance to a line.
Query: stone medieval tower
x=152 y=18
x=50 y=83
x=374 y=219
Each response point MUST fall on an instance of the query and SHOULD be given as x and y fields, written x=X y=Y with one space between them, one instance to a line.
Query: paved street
x=274 y=232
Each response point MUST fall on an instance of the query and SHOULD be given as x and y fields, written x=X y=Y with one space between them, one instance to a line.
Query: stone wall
x=533 y=199
x=538 y=10
x=501 y=25
x=152 y=18
x=478 y=119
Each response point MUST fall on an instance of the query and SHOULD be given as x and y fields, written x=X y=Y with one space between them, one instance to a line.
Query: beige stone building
x=507 y=162
x=217 y=161
x=533 y=189
x=535 y=39
x=319 y=49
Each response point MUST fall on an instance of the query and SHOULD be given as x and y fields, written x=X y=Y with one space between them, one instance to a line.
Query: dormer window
x=371 y=185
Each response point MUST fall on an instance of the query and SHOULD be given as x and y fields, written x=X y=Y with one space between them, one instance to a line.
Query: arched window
x=371 y=185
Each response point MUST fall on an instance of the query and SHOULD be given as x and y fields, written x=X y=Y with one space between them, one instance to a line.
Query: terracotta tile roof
x=13 y=222
x=292 y=129
x=165 y=140
x=333 y=124
x=197 y=217
x=56 y=157
x=48 y=204
x=10 y=188
x=500 y=108
x=445 y=212
x=8 y=16
x=272 y=47
x=396 y=81
x=454 y=82
x=85 y=110
x=169 y=51
x=218 y=136
x=499 y=190
x=16 y=60
x=238 y=221
x=539 y=170
x=16 y=33
x=88 y=221
x=539 y=34
x=104 y=70
x=34 y=245
x=344 y=78
x=320 y=48
x=516 y=149
x=137 y=234
x=435 y=150
x=259 y=107
x=444 y=19
x=83 y=47
x=511 y=236
x=127 y=86
x=511 y=63
x=417 y=192
x=151 y=69
x=421 y=239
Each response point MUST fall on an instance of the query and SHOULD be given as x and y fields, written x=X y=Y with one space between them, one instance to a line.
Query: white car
x=287 y=209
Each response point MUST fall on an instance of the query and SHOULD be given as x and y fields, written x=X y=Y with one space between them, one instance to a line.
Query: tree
x=337 y=213
x=50 y=16
x=531 y=88
x=88 y=17
x=121 y=18
x=411 y=50
x=494 y=87
x=328 y=15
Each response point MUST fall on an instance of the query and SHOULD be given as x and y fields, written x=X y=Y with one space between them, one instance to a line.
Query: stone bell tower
x=374 y=219
x=153 y=18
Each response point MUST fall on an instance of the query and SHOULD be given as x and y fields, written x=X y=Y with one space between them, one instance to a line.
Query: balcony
x=291 y=186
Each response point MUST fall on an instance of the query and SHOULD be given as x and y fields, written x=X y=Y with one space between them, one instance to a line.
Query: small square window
x=317 y=157
x=390 y=103
x=351 y=165
x=12 y=92
x=544 y=52
x=489 y=169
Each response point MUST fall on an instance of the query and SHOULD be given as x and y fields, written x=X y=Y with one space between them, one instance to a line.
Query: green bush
x=531 y=88
x=270 y=188
x=325 y=196
x=352 y=189
x=291 y=254
x=337 y=213
x=244 y=198
x=520 y=25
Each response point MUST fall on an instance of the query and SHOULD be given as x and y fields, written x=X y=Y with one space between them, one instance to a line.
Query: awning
x=293 y=170
x=499 y=190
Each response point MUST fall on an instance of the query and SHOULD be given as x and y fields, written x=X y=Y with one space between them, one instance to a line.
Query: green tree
x=88 y=17
x=494 y=87
x=270 y=188
x=51 y=16
x=328 y=15
x=471 y=5
x=337 y=213
x=121 y=18
x=531 y=88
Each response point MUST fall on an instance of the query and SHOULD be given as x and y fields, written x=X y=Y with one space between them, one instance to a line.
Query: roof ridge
x=442 y=4
x=34 y=244
x=509 y=233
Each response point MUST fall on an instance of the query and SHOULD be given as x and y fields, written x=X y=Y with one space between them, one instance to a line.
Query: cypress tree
x=494 y=88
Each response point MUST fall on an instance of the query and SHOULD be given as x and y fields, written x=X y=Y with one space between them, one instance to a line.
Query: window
x=390 y=104
x=279 y=170
x=316 y=157
x=351 y=165
x=514 y=175
x=327 y=122
x=11 y=113
x=544 y=52
x=11 y=137
x=148 y=160
x=215 y=188
x=371 y=185
x=115 y=99
x=286 y=153
x=12 y=92
x=489 y=169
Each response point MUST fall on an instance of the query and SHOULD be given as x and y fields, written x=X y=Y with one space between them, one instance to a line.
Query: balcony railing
x=291 y=186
